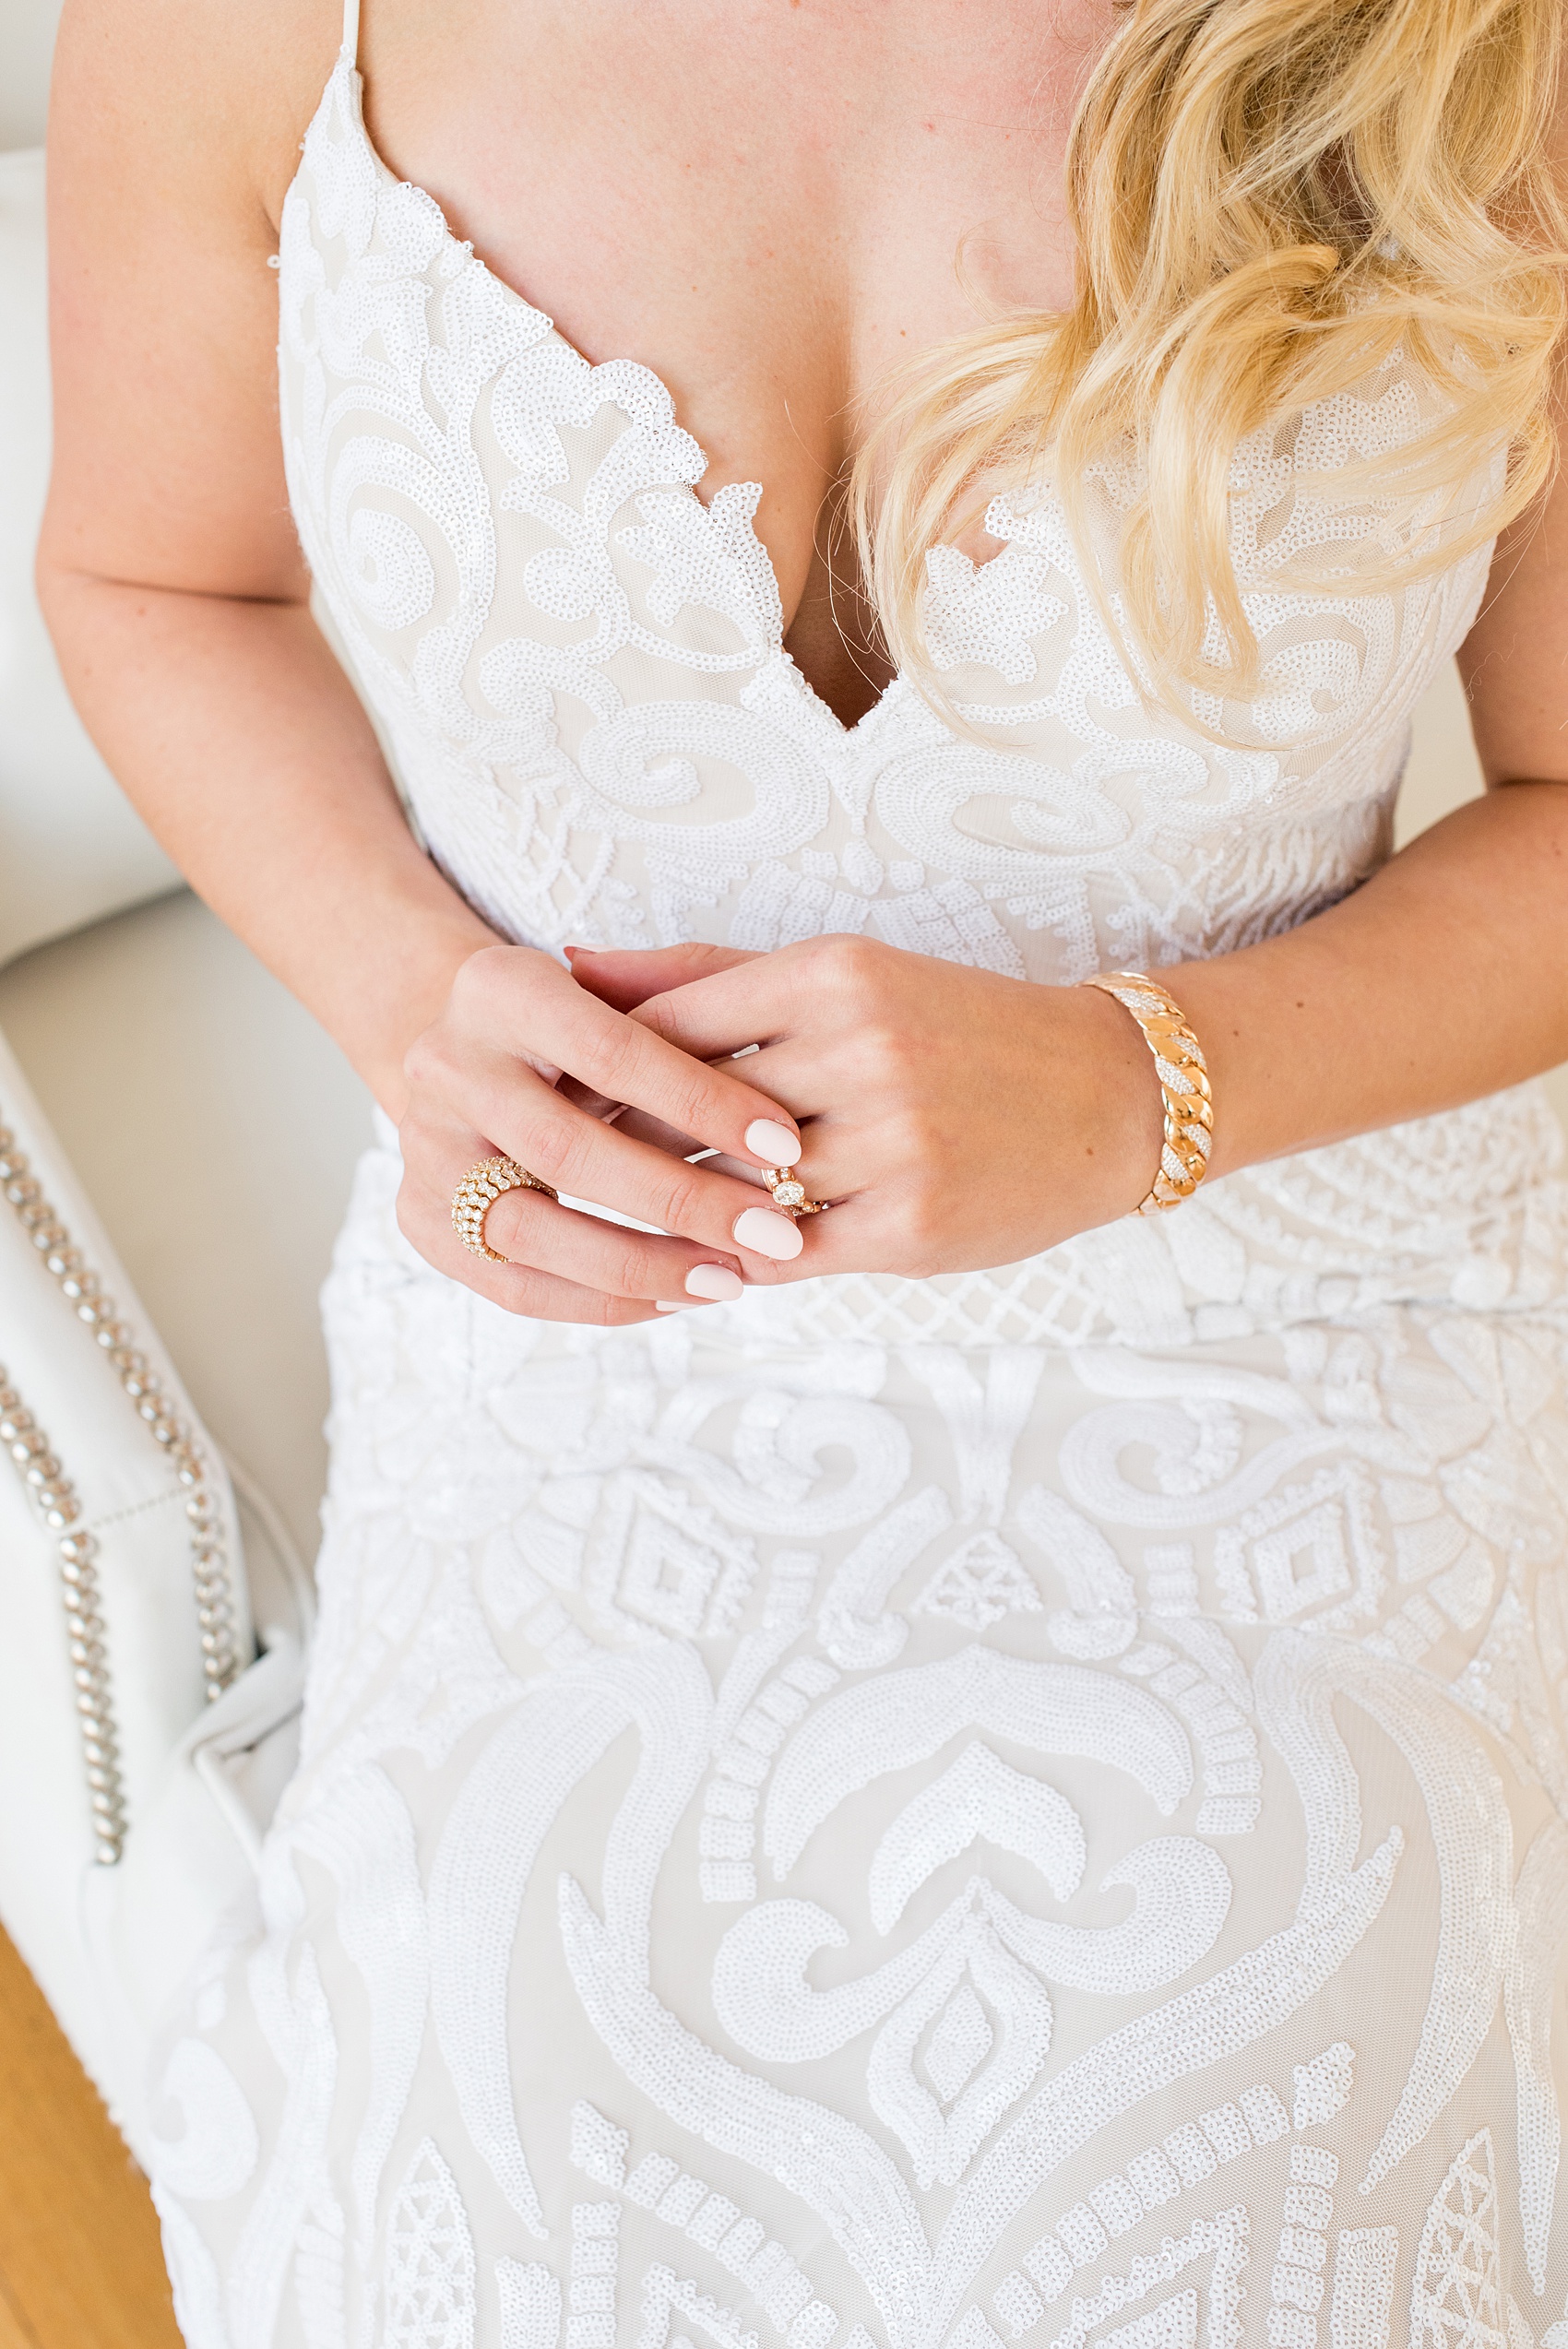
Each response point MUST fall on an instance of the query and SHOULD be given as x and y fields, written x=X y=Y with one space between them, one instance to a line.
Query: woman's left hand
x=957 y=1119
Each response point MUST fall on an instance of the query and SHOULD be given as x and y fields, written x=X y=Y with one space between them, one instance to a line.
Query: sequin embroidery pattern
x=1022 y=1808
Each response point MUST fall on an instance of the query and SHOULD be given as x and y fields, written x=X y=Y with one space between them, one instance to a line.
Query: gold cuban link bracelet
x=1183 y=1084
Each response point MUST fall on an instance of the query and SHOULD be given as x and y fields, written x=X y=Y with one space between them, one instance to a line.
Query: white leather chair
x=194 y=1132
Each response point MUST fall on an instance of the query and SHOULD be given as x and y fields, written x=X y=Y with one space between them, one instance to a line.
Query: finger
x=529 y=1122
x=625 y=979
x=832 y=1167
x=834 y=1162
x=638 y=1127
x=530 y=1228
x=569 y=1256
x=596 y=1104
x=619 y=1058
x=517 y=1289
x=807 y=1078
x=850 y=1238
x=756 y=1002
x=844 y=1161
x=849 y=1126
x=586 y=1160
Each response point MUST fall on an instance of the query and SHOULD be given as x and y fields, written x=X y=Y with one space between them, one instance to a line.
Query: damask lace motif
x=1026 y=1808
x=578 y=667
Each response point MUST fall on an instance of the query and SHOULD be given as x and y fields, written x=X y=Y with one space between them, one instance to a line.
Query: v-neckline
x=345 y=66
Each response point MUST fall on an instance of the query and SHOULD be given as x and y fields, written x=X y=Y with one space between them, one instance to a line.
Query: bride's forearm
x=1444 y=978
x=236 y=734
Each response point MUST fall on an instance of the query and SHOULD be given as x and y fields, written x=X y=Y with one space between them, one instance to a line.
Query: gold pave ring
x=477 y=1191
x=789 y=1194
x=1184 y=1084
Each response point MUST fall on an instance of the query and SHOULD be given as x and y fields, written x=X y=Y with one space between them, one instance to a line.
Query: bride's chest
x=578 y=661
x=766 y=205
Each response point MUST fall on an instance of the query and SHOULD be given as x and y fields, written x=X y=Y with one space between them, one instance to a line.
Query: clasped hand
x=955 y=1119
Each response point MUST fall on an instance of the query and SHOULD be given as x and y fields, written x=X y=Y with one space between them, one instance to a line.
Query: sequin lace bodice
x=577 y=666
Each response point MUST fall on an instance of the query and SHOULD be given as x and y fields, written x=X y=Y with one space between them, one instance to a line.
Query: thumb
x=625 y=978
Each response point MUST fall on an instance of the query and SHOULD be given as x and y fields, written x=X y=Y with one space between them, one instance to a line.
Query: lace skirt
x=814 y=1838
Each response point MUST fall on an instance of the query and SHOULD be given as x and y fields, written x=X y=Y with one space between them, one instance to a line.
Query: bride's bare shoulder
x=181 y=94
x=174 y=130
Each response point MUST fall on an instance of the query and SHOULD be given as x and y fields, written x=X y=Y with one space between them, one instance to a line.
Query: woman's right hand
x=484 y=1079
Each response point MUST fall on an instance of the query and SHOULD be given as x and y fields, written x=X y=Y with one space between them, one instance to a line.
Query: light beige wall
x=216 y=1128
x=27 y=38
x=1443 y=774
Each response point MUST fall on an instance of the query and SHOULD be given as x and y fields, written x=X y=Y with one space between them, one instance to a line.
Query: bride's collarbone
x=769 y=208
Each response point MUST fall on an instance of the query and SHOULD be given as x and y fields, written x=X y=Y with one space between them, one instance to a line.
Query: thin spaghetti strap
x=351 y=30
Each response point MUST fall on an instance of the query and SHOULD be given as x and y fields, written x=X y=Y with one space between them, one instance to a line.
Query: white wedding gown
x=1018 y=1807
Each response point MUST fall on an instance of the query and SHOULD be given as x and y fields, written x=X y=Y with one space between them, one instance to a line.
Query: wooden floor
x=79 y=2262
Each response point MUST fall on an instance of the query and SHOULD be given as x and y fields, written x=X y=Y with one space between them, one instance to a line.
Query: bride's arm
x=1446 y=975
x=174 y=584
x=168 y=568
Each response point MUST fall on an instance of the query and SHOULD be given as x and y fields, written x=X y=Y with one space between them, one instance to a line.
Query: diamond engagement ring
x=789 y=1194
x=477 y=1194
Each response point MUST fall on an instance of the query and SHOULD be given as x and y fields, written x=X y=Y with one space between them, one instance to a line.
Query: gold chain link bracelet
x=1183 y=1084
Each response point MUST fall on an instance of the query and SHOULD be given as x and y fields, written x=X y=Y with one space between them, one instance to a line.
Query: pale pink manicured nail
x=768 y=1234
x=715 y=1281
x=661 y=1306
x=774 y=1144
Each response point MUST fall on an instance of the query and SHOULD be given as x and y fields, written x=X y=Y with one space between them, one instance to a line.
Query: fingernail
x=773 y=1144
x=659 y=1306
x=715 y=1281
x=770 y=1235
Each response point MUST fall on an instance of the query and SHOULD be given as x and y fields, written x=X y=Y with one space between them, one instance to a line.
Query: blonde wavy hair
x=1270 y=198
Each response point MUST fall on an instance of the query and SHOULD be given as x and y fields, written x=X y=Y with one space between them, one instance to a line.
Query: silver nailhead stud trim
x=55 y=1496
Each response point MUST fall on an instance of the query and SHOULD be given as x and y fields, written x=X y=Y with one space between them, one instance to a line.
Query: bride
x=988 y=1764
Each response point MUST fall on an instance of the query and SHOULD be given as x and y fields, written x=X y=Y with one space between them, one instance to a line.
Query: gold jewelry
x=789 y=1194
x=1183 y=1081
x=478 y=1192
